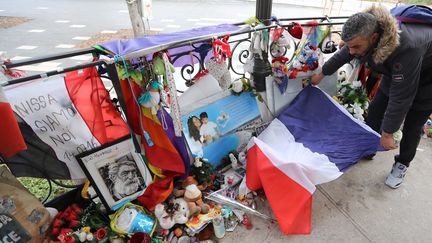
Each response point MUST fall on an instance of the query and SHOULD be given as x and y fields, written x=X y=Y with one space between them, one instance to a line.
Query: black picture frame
x=117 y=173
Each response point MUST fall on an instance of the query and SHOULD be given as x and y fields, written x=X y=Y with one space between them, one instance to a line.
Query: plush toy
x=191 y=193
x=295 y=30
x=176 y=212
x=306 y=61
x=151 y=98
x=159 y=67
x=280 y=72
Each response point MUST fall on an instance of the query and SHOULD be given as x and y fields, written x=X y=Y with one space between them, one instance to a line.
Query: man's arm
x=406 y=68
x=333 y=64
x=337 y=60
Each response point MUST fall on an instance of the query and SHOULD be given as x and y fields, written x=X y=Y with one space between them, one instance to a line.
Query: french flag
x=313 y=141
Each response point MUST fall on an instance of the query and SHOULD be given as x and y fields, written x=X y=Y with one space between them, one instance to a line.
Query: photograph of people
x=209 y=130
x=124 y=179
x=195 y=140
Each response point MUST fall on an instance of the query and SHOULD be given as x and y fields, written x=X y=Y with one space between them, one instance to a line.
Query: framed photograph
x=117 y=173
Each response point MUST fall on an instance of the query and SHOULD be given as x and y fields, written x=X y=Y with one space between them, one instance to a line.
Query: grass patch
x=421 y=2
x=40 y=187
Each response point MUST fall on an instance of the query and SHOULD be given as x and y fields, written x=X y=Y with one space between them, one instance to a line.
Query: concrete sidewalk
x=359 y=207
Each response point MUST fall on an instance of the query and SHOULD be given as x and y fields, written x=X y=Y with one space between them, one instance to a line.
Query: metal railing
x=239 y=42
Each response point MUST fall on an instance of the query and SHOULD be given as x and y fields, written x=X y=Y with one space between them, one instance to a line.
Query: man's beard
x=126 y=188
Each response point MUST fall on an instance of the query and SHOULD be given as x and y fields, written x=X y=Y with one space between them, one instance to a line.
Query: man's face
x=127 y=182
x=204 y=120
x=359 y=46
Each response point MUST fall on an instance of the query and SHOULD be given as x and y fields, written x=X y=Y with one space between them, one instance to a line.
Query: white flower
x=198 y=162
x=82 y=236
x=89 y=237
x=358 y=116
x=357 y=109
x=356 y=84
x=237 y=86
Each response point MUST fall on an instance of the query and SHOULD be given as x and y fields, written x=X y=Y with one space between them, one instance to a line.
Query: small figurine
x=234 y=161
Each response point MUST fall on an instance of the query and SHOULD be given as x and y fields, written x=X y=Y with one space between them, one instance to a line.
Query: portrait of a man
x=122 y=178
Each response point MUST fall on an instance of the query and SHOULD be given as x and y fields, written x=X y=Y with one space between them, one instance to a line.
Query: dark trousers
x=412 y=127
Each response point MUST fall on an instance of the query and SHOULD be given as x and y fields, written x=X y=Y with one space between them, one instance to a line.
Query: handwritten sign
x=47 y=108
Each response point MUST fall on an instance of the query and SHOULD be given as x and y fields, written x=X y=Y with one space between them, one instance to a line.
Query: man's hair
x=359 y=24
x=203 y=115
x=114 y=168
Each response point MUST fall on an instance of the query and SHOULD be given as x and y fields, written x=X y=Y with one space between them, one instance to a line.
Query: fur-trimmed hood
x=389 y=39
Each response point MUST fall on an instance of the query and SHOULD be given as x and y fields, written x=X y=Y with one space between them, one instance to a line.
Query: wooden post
x=136 y=19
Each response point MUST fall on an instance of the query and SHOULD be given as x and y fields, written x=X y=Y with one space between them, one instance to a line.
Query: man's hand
x=387 y=141
x=316 y=78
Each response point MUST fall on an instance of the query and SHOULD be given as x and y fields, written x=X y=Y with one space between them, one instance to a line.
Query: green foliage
x=40 y=187
x=201 y=170
x=422 y=2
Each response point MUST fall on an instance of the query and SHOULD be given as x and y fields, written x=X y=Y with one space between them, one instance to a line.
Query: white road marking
x=81 y=38
x=36 y=31
x=18 y=58
x=77 y=25
x=65 y=46
x=26 y=47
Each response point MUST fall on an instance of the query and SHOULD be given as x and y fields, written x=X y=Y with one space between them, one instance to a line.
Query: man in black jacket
x=403 y=54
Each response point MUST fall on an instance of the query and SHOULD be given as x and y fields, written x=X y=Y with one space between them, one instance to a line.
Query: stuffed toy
x=295 y=30
x=280 y=72
x=220 y=72
x=306 y=61
x=159 y=67
x=280 y=42
x=175 y=212
x=152 y=97
x=191 y=193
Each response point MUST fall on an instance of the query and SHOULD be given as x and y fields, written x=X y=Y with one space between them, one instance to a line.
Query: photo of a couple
x=202 y=130
x=210 y=130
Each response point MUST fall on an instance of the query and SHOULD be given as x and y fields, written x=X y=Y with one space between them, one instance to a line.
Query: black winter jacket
x=404 y=56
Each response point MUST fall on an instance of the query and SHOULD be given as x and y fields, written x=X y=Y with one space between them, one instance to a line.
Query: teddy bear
x=191 y=193
x=175 y=212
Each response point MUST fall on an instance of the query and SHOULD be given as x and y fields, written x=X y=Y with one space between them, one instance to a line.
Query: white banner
x=46 y=107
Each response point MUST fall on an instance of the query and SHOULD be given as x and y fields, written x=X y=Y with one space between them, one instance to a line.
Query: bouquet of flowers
x=353 y=97
x=82 y=225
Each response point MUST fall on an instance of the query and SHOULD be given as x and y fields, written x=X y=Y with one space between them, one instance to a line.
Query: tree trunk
x=136 y=20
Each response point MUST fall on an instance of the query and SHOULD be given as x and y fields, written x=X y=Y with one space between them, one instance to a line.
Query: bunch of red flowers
x=66 y=221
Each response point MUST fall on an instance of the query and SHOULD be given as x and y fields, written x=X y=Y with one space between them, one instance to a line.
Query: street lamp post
x=262 y=67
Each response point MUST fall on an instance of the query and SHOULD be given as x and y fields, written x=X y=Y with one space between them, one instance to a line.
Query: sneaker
x=396 y=176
